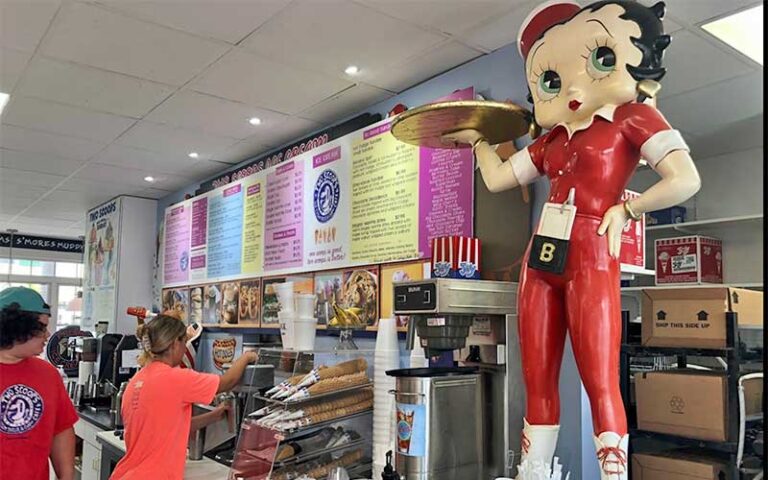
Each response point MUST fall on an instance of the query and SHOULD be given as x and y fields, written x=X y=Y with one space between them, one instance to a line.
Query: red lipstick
x=574 y=105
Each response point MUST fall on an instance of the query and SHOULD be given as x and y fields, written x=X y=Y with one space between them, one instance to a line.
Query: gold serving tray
x=498 y=122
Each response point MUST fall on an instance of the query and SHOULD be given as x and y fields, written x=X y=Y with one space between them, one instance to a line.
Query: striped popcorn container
x=467 y=257
x=444 y=261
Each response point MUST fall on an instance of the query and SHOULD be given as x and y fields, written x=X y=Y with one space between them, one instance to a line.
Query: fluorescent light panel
x=742 y=31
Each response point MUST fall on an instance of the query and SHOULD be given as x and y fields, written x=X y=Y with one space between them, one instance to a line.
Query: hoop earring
x=647 y=89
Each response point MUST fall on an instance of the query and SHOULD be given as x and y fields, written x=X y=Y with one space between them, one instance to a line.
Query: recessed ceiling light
x=352 y=70
x=4 y=97
x=254 y=121
x=193 y=155
x=149 y=179
x=742 y=31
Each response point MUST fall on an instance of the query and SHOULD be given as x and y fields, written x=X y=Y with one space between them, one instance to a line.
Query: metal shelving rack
x=732 y=356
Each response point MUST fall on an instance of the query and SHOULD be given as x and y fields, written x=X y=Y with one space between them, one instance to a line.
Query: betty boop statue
x=591 y=72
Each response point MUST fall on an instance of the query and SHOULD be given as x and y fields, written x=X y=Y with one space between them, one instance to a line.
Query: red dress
x=598 y=162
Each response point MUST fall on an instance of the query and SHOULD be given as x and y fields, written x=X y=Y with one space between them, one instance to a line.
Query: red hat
x=540 y=19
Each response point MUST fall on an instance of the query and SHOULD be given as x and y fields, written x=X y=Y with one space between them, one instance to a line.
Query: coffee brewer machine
x=472 y=415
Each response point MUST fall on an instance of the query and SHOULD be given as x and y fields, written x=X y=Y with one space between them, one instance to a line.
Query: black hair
x=18 y=326
x=652 y=41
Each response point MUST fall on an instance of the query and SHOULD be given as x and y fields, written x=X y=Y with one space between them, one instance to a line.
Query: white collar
x=606 y=112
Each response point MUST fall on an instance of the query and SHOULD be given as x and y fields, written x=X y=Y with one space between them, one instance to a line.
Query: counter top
x=100 y=418
x=205 y=469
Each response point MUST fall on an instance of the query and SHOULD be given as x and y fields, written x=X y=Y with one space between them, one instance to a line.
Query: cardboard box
x=688 y=403
x=666 y=216
x=678 y=465
x=632 y=238
x=688 y=260
x=695 y=317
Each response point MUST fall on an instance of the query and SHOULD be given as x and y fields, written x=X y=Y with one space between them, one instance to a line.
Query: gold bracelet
x=477 y=142
x=634 y=216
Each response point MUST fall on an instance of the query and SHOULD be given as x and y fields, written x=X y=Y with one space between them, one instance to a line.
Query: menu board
x=364 y=199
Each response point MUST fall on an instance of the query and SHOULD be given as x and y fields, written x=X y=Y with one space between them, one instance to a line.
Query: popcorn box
x=444 y=260
x=694 y=259
x=468 y=257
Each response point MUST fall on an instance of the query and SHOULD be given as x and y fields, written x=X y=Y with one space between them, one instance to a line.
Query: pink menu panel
x=176 y=255
x=199 y=222
x=283 y=225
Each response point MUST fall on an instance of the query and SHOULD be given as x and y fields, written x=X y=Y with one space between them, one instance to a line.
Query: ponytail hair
x=158 y=335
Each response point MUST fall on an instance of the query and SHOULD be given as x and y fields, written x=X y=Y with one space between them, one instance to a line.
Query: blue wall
x=498 y=76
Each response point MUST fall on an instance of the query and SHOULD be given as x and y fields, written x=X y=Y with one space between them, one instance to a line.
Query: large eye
x=548 y=85
x=601 y=62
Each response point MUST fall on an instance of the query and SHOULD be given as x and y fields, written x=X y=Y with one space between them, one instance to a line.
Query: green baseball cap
x=28 y=300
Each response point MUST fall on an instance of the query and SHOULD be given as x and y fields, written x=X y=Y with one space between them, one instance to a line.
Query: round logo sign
x=20 y=409
x=326 y=195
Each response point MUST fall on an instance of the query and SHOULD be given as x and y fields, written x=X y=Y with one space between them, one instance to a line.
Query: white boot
x=538 y=443
x=612 y=456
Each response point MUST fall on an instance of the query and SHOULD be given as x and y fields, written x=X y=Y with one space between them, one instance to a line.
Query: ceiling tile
x=346 y=103
x=696 y=11
x=12 y=63
x=84 y=199
x=94 y=36
x=152 y=193
x=450 y=16
x=254 y=80
x=23 y=22
x=174 y=141
x=91 y=88
x=230 y=21
x=53 y=210
x=36 y=162
x=500 y=31
x=25 y=139
x=204 y=169
x=689 y=61
x=131 y=178
x=336 y=35
x=248 y=148
x=10 y=176
x=41 y=226
x=715 y=106
x=21 y=193
x=214 y=115
x=77 y=183
x=130 y=157
x=66 y=120
x=291 y=130
x=421 y=67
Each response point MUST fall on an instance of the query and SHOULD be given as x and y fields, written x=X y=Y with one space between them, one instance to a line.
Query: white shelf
x=628 y=272
x=715 y=223
x=709 y=285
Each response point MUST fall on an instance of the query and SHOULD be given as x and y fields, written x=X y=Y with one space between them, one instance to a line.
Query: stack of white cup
x=287 y=313
x=305 y=322
x=386 y=357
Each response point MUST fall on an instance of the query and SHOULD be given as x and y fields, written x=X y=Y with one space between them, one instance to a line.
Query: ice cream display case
x=316 y=417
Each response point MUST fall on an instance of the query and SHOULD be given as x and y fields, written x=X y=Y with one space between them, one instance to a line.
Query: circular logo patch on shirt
x=21 y=408
x=326 y=195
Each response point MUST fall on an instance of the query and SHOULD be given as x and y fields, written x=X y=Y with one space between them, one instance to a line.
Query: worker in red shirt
x=589 y=71
x=36 y=413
